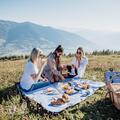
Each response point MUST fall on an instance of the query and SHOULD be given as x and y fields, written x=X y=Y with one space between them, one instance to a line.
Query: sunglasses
x=78 y=52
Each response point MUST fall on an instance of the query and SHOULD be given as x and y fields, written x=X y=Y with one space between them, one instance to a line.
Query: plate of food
x=70 y=91
x=50 y=91
x=60 y=101
x=98 y=84
x=66 y=86
x=83 y=86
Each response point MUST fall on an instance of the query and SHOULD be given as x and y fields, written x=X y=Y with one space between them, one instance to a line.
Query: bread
x=65 y=98
x=60 y=101
x=70 y=91
x=49 y=90
x=84 y=86
x=66 y=86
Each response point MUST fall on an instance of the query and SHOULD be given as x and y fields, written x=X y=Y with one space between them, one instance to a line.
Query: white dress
x=83 y=64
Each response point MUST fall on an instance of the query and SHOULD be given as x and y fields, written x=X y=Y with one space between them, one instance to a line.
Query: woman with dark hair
x=52 y=70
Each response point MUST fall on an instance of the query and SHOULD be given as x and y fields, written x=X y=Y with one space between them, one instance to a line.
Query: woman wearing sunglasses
x=52 y=70
x=79 y=63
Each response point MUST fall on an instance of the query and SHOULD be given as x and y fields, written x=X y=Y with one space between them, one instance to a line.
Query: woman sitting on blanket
x=79 y=64
x=52 y=70
x=31 y=78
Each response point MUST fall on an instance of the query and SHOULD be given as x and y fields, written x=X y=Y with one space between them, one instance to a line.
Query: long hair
x=59 y=49
x=36 y=52
x=82 y=53
x=57 y=58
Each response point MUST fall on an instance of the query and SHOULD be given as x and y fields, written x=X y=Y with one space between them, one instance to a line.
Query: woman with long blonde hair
x=79 y=62
x=31 y=78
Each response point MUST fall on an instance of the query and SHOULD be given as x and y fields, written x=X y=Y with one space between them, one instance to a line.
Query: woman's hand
x=64 y=67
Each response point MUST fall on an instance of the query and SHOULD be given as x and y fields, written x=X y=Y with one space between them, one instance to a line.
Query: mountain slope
x=16 y=38
x=105 y=39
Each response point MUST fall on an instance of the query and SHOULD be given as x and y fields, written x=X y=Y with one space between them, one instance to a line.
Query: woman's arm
x=37 y=77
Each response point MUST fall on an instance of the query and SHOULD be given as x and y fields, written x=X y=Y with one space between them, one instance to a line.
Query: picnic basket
x=113 y=86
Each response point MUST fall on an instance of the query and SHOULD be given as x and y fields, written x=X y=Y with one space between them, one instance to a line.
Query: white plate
x=51 y=92
x=98 y=84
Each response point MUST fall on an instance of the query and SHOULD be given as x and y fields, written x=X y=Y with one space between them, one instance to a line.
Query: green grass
x=93 y=108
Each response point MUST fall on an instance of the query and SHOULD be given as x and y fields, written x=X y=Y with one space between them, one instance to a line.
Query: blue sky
x=90 y=14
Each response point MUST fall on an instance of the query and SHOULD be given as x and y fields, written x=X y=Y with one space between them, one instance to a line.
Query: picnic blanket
x=44 y=99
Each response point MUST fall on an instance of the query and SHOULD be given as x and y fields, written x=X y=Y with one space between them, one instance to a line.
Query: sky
x=101 y=15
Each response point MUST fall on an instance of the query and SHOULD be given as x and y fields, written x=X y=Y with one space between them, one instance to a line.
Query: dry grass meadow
x=96 y=107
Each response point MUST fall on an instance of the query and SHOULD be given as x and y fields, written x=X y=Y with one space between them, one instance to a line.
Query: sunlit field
x=96 y=107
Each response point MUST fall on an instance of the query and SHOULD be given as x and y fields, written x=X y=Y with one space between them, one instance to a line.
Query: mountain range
x=19 y=38
x=103 y=39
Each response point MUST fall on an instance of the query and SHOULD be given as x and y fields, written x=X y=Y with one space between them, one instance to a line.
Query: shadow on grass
x=12 y=91
x=7 y=93
x=101 y=110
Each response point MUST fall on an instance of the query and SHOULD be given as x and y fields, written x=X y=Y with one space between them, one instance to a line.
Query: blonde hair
x=36 y=52
x=82 y=50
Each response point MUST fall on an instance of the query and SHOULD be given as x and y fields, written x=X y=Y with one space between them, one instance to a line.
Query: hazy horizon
x=90 y=15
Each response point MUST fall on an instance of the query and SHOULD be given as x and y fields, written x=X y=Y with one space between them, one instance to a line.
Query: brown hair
x=57 y=59
x=59 y=49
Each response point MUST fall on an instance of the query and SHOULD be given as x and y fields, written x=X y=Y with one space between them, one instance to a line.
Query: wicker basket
x=114 y=92
x=113 y=88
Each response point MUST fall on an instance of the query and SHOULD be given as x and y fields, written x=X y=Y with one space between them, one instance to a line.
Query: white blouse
x=83 y=64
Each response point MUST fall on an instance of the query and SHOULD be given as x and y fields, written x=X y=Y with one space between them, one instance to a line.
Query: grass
x=93 y=108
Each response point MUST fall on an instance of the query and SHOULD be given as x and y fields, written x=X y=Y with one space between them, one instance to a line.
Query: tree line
x=103 y=52
x=14 y=57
